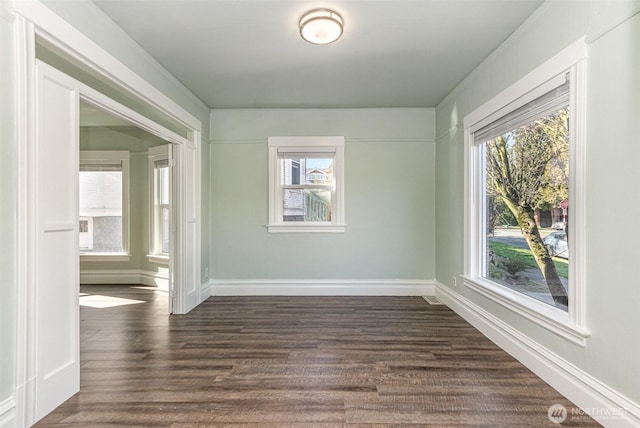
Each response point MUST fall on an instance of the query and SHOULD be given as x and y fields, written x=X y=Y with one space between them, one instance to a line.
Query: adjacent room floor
x=294 y=361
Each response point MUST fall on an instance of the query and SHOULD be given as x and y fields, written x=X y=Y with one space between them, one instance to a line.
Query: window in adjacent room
x=306 y=184
x=160 y=208
x=103 y=197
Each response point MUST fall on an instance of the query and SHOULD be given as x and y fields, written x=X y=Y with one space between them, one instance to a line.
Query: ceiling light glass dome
x=321 y=26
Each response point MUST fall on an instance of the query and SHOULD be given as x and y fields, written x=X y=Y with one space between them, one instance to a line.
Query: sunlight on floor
x=101 y=302
x=157 y=290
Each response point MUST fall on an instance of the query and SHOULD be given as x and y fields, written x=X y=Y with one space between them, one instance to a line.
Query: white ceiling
x=248 y=54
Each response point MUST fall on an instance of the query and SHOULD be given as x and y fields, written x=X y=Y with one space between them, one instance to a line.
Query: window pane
x=101 y=207
x=319 y=171
x=306 y=205
x=291 y=170
x=526 y=208
x=309 y=170
x=163 y=182
x=165 y=229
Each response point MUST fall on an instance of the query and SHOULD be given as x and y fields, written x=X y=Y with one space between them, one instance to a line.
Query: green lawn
x=509 y=252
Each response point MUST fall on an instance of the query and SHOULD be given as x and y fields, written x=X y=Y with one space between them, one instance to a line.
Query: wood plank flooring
x=295 y=362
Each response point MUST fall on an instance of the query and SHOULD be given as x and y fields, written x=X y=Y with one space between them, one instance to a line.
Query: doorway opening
x=125 y=206
x=48 y=212
x=168 y=122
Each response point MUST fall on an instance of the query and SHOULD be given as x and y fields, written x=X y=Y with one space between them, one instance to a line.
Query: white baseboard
x=603 y=403
x=329 y=287
x=8 y=413
x=153 y=279
x=25 y=401
x=206 y=290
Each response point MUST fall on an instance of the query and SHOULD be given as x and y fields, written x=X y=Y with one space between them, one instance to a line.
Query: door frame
x=176 y=142
x=33 y=18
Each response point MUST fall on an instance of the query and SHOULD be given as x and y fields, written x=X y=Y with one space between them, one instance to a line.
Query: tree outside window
x=527 y=179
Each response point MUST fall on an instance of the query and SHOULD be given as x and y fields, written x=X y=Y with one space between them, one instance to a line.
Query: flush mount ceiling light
x=321 y=26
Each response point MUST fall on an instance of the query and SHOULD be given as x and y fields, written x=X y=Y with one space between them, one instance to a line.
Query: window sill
x=158 y=259
x=542 y=314
x=306 y=228
x=104 y=257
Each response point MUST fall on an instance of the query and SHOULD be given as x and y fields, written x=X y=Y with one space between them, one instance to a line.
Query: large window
x=103 y=196
x=525 y=202
x=160 y=211
x=306 y=184
x=524 y=159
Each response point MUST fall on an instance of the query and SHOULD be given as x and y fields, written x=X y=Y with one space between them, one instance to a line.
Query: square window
x=306 y=184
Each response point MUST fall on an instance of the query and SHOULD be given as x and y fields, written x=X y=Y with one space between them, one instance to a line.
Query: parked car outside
x=556 y=243
x=558 y=225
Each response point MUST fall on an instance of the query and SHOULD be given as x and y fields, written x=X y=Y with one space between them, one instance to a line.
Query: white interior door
x=186 y=194
x=57 y=275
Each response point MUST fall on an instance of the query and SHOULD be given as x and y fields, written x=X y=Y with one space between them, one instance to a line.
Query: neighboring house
x=100 y=211
x=317 y=176
x=301 y=205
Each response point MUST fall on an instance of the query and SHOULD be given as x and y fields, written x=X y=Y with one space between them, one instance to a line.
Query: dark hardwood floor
x=295 y=362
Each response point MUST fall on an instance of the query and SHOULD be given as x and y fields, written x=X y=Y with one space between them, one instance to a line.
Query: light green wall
x=8 y=192
x=389 y=193
x=613 y=150
x=613 y=189
x=205 y=225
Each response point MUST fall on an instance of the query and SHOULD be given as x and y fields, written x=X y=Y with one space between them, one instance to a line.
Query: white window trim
x=155 y=255
x=334 y=145
x=570 y=325
x=116 y=157
x=158 y=259
x=104 y=257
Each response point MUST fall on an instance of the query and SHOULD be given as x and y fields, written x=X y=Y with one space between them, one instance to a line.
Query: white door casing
x=57 y=271
x=55 y=217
